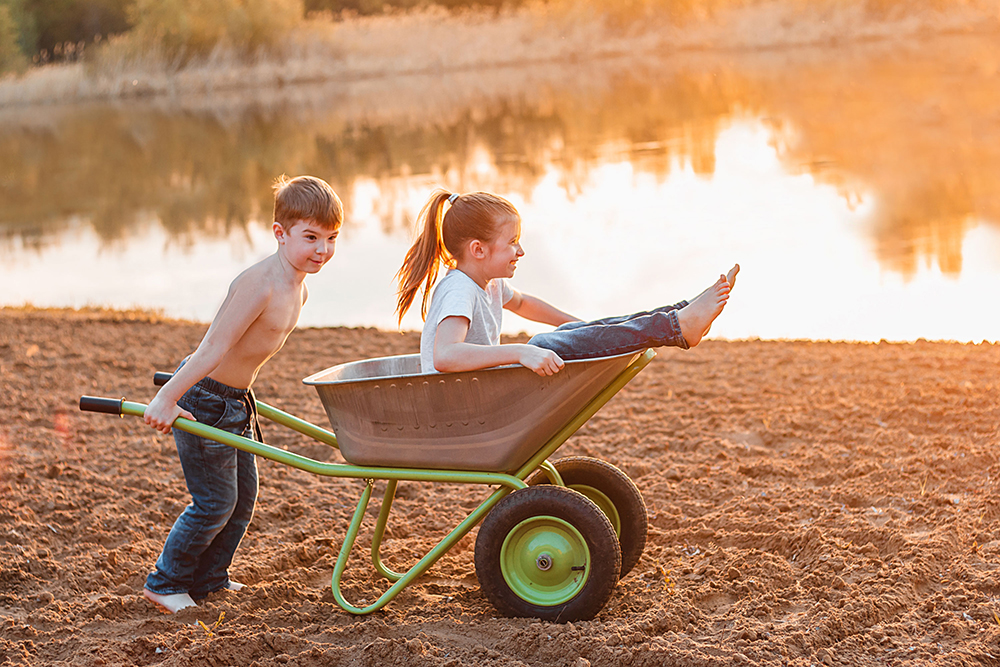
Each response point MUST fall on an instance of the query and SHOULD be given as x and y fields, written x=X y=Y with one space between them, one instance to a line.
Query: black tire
x=577 y=582
x=583 y=473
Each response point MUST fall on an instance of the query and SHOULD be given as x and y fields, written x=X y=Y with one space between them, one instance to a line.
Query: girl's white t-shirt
x=458 y=295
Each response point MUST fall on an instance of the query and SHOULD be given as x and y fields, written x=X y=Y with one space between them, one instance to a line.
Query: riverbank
x=434 y=42
x=810 y=503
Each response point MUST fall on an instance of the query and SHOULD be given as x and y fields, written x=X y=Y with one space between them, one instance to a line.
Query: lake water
x=857 y=188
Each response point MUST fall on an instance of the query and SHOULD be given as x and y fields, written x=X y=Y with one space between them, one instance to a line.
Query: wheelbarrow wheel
x=547 y=552
x=612 y=491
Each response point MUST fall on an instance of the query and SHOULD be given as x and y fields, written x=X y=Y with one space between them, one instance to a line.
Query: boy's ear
x=279 y=232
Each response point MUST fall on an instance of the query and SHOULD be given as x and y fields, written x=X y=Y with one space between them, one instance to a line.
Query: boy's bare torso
x=265 y=336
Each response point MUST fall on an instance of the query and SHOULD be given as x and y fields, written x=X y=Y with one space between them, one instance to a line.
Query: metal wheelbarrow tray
x=386 y=413
x=552 y=544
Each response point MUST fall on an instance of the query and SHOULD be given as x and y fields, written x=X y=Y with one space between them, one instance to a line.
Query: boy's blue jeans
x=222 y=481
x=615 y=335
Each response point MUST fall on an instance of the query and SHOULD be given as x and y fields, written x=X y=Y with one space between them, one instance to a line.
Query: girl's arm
x=452 y=354
x=534 y=309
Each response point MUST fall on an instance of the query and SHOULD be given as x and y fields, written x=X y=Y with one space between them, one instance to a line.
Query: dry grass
x=89 y=313
x=430 y=42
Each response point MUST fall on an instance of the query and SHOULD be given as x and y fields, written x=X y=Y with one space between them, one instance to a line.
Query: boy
x=213 y=384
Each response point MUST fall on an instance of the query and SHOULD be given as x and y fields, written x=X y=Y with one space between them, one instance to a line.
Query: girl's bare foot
x=731 y=276
x=731 y=279
x=172 y=603
x=696 y=318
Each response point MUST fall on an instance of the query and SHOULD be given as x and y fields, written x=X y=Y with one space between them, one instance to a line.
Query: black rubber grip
x=160 y=379
x=111 y=406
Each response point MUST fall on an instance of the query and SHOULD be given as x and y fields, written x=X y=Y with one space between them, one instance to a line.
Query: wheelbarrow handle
x=161 y=378
x=111 y=406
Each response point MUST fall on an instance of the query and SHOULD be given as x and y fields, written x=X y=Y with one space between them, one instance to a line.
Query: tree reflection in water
x=914 y=124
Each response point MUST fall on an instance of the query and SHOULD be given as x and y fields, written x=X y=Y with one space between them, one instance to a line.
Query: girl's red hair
x=442 y=238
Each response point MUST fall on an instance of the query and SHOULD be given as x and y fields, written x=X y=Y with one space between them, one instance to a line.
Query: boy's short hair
x=306 y=198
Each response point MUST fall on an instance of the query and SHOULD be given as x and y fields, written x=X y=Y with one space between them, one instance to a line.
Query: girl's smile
x=504 y=251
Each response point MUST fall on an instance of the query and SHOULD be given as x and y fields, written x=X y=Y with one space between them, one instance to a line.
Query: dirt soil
x=810 y=504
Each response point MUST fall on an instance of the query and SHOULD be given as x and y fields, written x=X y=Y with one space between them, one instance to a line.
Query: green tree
x=60 y=21
x=11 y=56
x=17 y=34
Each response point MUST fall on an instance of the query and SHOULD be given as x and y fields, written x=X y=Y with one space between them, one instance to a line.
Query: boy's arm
x=452 y=354
x=535 y=309
x=242 y=306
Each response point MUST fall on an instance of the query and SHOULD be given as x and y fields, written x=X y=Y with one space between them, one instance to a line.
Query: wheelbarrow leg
x=380 y=525
x=383 y=519
x=553 y=474
x=421 y=566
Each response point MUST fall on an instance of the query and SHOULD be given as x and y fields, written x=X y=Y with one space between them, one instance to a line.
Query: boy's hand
x=542 y=361
x=161 y=416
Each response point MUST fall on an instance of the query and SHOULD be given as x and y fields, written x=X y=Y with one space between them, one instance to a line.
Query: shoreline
x=366 y=91
x=373 y=49
x=155 y=316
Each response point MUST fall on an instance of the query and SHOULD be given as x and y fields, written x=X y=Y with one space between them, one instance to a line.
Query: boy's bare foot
x=172 y=603
x=696 y=318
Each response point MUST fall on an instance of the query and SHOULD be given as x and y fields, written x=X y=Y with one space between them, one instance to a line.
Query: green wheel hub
x=603 y=502
x=545 y=561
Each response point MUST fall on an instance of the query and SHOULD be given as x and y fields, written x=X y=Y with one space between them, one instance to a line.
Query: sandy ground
x=810 y=504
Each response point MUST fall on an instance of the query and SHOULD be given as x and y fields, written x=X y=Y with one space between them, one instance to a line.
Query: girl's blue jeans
x=615 y=335
x=222 y=481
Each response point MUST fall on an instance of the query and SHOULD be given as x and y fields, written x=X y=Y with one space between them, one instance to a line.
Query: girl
x=478 y=238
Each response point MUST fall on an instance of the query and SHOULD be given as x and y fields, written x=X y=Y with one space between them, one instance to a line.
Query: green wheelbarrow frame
x=506 y=483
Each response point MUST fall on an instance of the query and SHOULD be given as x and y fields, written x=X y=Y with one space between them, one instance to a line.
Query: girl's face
x=503 y=252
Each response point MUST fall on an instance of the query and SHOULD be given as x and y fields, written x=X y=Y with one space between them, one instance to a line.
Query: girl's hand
x=542 y=361
x=161 y=417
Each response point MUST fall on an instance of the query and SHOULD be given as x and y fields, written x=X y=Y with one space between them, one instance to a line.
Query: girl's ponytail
x=442 y=237
x=424 y=257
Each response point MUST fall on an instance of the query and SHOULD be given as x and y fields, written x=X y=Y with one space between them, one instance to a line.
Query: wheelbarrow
x=555 y=537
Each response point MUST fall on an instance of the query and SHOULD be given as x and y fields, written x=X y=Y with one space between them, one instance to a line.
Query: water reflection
x=200 y=172
x=918 y=126
x=886 y=161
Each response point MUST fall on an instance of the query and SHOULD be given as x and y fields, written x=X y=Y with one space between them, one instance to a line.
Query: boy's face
x=306 y=244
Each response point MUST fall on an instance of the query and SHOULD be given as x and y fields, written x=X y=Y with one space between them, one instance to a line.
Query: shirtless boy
x=212 y=386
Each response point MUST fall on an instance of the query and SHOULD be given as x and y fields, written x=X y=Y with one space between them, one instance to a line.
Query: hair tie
x=452 y=198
